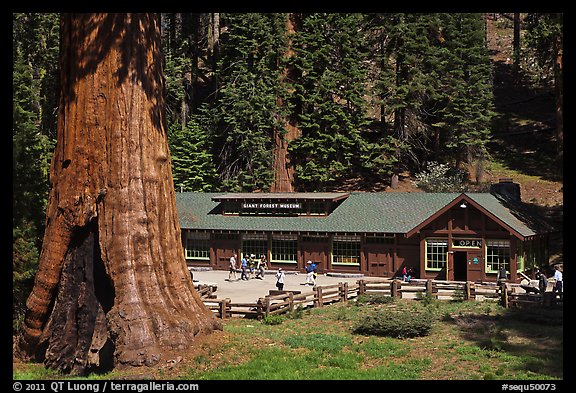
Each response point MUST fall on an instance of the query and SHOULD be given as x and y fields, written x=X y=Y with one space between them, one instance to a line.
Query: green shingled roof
x=381 y=212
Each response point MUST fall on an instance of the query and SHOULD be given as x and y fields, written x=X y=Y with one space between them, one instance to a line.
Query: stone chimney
x=507 y=189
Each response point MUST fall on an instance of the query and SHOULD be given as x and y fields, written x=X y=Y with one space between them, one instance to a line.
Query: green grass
x=468 y=340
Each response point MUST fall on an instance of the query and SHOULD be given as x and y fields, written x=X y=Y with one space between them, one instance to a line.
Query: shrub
x=396 y=324
x=426 y=298
x=297 y=313
x=273 y=319
x=440 y=178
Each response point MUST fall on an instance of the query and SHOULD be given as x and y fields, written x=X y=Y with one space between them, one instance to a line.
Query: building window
x=436 y=254
x=497 y=255
x=198 y=245
x=256 y=244
x=284 y=248
x=346 y=250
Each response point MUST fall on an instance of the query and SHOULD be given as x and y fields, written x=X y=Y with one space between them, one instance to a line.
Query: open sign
x=470 y=243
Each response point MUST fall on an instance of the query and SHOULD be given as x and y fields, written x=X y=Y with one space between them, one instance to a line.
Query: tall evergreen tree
x=192 y=162
x=244 y=114
x=34 y=100
x=30 y=183
x=329 y=58
x=464 y=97
x=404 y=83
x=435 y=80
x=112 y=288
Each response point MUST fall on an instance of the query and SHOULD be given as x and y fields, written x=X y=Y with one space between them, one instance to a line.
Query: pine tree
x=329 y=96
x=464 y=94
x=435 y=82
x=34 y=77
x=192 y=162
x=244 y=114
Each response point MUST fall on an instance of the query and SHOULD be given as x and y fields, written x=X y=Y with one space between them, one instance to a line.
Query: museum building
x=445 y=236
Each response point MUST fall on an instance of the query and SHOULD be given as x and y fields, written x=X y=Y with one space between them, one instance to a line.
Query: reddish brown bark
x=283 y=168
x=112 y=276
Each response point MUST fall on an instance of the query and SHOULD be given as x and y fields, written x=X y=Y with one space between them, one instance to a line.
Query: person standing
x=502 y=274
x=232 y=268
x=280 y=279
x=558 y=290
x=542 y=282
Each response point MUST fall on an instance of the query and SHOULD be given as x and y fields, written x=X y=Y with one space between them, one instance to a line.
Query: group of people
x=256 y=268
x=558 y=289
x=250 y=267
x=408 y=273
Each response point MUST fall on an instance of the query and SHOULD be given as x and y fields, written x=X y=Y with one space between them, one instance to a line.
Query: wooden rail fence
x=512 y=297
x=288 y=301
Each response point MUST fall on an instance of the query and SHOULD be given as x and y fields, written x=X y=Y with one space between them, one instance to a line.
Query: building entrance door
x=460 y=265
x=475 y=266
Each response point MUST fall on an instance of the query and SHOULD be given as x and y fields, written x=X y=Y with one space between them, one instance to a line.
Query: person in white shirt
x=232 y=268
x=280 y=279
x=558 y=277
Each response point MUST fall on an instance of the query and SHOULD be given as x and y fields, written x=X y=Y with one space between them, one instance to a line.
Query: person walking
x=280 y=279
x=232 y=268
x=310 y=271
x=244 y=266
x=252 y=265
x=261 y=267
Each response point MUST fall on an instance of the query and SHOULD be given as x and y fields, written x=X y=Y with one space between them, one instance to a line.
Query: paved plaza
x=249 y=291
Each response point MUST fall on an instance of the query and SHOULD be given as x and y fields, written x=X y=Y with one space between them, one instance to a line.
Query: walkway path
x=249 y=291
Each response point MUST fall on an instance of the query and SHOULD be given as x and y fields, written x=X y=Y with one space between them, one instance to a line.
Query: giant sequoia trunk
x=112 y=288
x=283 y=167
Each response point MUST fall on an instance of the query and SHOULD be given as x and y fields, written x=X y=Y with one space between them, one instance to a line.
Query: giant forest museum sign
x=443 y=236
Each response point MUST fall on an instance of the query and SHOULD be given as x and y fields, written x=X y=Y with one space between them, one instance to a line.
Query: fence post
x=504 y=295
x=291 y=301
x=319 y=302
x=467 y=290
x=472 y=291
x=547 y=299
x=260 y=307
x=343 y=291
x=429 y=287
x=224 y=308
x=361 y=287
x=266 y=305
x=394 y=288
